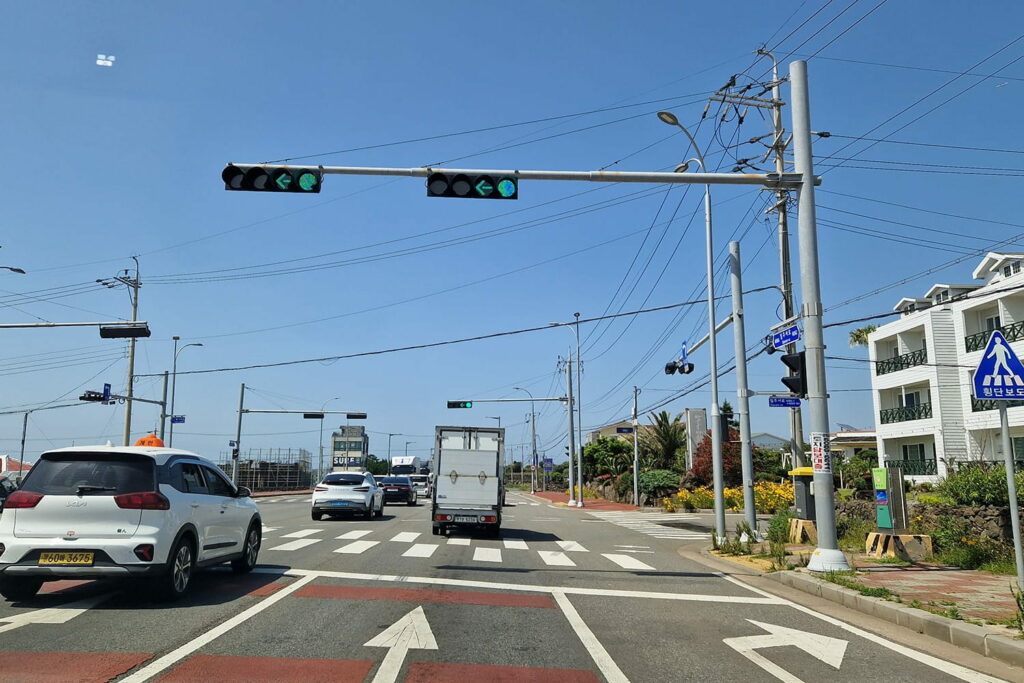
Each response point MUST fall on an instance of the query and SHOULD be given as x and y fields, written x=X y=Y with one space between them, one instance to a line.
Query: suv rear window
x=344 y=479
x=96 y=474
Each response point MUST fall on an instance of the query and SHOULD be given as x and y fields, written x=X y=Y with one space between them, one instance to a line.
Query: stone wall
x=983 y=521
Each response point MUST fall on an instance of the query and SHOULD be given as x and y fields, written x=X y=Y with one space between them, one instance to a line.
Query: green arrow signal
x=284 y=181
x=484 y=187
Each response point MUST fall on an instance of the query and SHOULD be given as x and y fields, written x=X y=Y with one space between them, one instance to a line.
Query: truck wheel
x=435 y=530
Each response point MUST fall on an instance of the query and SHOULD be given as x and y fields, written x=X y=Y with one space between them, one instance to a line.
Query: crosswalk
x=648 y=523
x=413 y=544
x=268 y=501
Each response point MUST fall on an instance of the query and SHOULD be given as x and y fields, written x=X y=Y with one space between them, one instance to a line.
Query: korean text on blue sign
x=789 y=335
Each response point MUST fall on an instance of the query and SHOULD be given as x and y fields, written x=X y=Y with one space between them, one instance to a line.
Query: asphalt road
x=564 y=595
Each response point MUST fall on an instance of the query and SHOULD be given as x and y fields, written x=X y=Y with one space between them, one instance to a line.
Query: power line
x=929 y=144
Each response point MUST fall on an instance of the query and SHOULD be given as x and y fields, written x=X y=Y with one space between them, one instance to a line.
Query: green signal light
x=308 y=181
x=506 y=187
x=468 y=404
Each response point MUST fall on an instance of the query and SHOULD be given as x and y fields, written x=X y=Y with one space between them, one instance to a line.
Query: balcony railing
x=921 y=468
x=977 y=342
x=980 y=404
x=907 y=360
x=905 y=413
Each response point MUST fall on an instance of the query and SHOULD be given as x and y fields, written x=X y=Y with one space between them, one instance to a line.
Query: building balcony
x=977 y=342
x=905 y=413
x=917 y=468
x=980 y=404
x=907 y=360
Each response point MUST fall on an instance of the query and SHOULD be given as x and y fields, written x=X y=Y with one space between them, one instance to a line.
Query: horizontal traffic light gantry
x=460 y=404
x=272 y=179
x=796 y=382
x=472 y=186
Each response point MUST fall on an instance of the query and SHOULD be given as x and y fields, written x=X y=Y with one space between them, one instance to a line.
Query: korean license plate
x=68 y=559
x=464 y=518
x=339 y=503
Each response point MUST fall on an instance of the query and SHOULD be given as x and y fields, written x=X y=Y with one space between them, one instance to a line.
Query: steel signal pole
x=742 y=393
x=636 y=450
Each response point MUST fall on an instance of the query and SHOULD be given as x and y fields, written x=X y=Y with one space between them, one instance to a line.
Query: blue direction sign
x=106 y=392
x=623 y=430
x=787 y=335
x=549 y=464
x=177 y=419
x=783 y=402
x=1000 y=374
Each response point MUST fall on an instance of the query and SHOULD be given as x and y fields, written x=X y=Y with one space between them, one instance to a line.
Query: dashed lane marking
x=405 y=536
x=356 y=547
x=487 y=555
x=554 y=558
x=516 y=544
x=420 y=550
x=627 y=562
x=302 y=533
x=295 y=545
x=571 y=547
x=354 y=534
x=458 y=541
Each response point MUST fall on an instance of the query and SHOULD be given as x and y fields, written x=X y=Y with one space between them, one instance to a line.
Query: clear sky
x=109 y=162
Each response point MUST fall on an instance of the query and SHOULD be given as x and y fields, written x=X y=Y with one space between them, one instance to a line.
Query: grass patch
x=853 y=532
x=1004 y=566
x=847 y=580
x=895 y=561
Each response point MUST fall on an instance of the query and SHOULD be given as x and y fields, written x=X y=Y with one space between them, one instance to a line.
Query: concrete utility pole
x=133 y=285
x=572 y=431
x=163 y=409
x=237 y=452
x=827 y=556
x=742 y=389
x=579 y=408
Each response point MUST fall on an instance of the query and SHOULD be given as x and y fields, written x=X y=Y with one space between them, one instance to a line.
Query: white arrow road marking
x=411 y=632
x=51 y=615
x=828 y=650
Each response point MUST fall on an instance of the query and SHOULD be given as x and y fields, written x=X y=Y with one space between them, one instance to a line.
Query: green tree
x=376 y=466
x=859 y=336
x=664 y=441
x=607 y=455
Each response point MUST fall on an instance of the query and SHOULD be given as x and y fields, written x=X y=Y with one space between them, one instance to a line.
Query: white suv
x=342 y=492
x=99 y=512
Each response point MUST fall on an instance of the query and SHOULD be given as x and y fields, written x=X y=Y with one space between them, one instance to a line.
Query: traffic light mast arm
x=771 y=180
x=508 y=400
x=304 y=412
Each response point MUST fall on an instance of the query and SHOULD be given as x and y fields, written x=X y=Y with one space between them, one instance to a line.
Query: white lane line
x=354 y=534
x=487 y=555
x=268 y=529
x=555 y=558
x=356 y=547
x=516 y=544
x=302 y=533
x=405 y=536
x=458 y=541
x=632 y=546
x=548 y=519
x=649 y=552
x=295 y=545
x=420 y=550
x=150 y=670
x=571 y=547
x=627 y=562
x=612 y=672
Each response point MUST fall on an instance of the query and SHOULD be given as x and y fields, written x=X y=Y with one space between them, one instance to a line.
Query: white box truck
x=468 y=472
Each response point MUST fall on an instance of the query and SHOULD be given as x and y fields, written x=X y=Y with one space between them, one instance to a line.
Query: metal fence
x=272 y=469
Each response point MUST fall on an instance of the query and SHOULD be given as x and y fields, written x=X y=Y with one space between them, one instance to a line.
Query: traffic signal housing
x=796 y=382
x=681 y=367
x=92 y=396
x=472 y=186
x=460 y=404
x=272 y=179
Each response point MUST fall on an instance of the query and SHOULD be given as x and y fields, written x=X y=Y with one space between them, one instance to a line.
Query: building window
x=992 y=323
x=911 y=399
x=914 y=451
x=1016 y=267
x=1006 y=271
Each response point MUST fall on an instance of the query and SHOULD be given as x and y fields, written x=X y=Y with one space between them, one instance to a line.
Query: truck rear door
x=467 y=478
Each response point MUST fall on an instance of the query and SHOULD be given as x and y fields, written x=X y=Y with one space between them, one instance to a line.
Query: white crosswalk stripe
x=646 y=523
x=555 y=558
x=516 y=544
x=269 y=529
x=571 y=547
x=354 y=534
x=295 y=545
x=356 y=547
x=627 y=562
x=420 y=550
x=487 y=555
x=406 y=536
x=458 y=541
x=302 y=533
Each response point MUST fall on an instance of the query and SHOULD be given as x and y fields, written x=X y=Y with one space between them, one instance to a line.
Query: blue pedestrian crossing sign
x=1000 y=374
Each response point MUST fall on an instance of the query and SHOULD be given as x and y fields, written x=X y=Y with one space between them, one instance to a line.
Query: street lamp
x=391 y=434
x=19 y=271
x=407 y=447
x=716 y=433
x=174 y=383
x=322 y=406
x=533 y=440
x=495 y=418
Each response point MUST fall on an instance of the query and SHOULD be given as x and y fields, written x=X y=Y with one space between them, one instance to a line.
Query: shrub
x=954 y=544
x=624 y=486
x=778 y=536
x=853 y=532
x=731 y=468
x=933 y=499
x=980 y=484
x=657 y=484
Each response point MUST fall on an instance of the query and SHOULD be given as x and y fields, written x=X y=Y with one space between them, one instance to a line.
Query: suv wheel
x=317 y=515
x=19 y=587
x=250 y=552
x=175 y=581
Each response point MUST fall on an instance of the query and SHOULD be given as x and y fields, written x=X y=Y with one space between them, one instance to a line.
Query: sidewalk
x=588 y=503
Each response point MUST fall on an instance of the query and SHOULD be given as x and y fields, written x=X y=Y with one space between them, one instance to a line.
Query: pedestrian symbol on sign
x=1000 y=374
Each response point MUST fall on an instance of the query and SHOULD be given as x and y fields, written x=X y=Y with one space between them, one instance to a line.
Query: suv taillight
x=147 y=500
x=320 y=488
x=23 y=499
x=361 y=489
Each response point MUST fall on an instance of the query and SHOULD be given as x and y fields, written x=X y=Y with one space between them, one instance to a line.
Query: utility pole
x=827 y=556
x=237 y=452
x=163 y=409
x=572 y=432
x=133 y=285
x=636 y=449
x=579 y=408
x=742 y=395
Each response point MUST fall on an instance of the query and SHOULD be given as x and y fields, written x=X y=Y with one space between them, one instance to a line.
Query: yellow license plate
x=71 y=559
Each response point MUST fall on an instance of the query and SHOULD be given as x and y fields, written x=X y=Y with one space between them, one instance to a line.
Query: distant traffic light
x=272 y=179
x=95 y=396
x=460 y=404
x=472 y=186
x=797 y=379
x=681 y=367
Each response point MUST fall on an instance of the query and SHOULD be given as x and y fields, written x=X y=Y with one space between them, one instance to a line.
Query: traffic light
x=797 y=380
x=272 y=179
x=472 y=186
x=94 y=396
x=460 y=404
x=681 y=367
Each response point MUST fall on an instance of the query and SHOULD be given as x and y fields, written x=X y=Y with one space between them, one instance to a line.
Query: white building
x=923 y=366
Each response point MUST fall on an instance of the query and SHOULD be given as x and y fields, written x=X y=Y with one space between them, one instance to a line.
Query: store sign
x=821 y=457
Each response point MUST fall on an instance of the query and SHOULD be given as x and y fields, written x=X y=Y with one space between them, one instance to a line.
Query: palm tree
x=665 y=437
x=859 y=336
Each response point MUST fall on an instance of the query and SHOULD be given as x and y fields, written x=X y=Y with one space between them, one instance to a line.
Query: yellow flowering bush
x=769 y=497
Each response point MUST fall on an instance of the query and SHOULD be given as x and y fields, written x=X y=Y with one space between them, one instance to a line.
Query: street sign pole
x=636 y=450
x=1011 y=486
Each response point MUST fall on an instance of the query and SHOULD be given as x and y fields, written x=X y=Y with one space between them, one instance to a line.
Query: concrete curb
x=975 y=638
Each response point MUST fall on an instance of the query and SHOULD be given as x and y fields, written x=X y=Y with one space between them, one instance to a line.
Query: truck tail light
x=443 y=518
x=23 y=499
x=147 y=500
x=488 y=518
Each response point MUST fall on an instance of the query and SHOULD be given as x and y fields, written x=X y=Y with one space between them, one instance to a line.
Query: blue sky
x=107 y=163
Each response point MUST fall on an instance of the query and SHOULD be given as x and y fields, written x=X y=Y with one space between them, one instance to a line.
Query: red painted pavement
x=62 y=585
x=66 y=667
x=434 y=672
x=592 y=503
x=425 y=595
x=228 y=669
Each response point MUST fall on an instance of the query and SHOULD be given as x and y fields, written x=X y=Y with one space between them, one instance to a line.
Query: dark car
x=398 y=490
